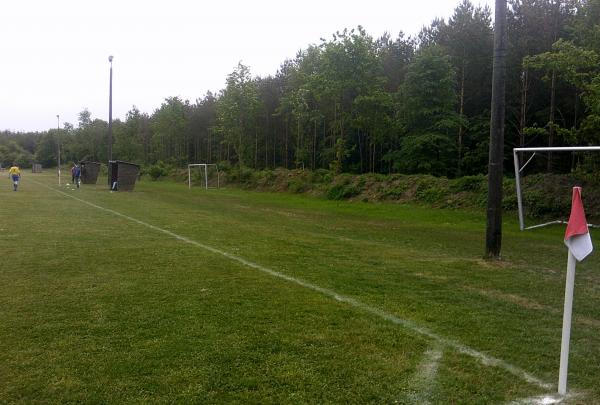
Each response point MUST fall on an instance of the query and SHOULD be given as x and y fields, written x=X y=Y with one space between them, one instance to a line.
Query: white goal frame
x=519 y=169
x=205 y=165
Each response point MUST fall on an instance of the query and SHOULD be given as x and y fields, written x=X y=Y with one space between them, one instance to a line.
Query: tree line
x=354 y=103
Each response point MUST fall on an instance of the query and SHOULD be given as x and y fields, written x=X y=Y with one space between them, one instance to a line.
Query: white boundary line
x=425 y=377
x=410 y=325
x=549 y=399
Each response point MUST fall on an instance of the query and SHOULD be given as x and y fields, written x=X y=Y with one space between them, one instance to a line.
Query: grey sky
x=55 y=53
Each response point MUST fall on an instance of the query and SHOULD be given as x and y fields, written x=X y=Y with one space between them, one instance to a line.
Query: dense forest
x=358 y=104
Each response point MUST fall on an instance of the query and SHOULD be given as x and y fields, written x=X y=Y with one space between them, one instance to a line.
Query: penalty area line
x=407 y=324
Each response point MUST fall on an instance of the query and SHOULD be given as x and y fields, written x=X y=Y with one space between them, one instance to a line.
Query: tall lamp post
x=110 y=58
x=58 y=144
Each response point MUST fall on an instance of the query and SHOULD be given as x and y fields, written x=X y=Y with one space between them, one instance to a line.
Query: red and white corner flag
x=579 y=242
x=577 y=236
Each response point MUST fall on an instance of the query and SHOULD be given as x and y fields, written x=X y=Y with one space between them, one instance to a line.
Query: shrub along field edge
x=545 y=195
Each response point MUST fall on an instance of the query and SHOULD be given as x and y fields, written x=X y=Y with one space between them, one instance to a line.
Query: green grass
x=98 y=308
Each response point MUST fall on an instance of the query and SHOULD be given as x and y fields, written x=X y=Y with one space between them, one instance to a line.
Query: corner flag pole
x=579 y=242
x=566 y=328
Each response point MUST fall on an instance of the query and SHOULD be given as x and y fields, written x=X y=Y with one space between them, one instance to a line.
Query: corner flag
x=577 y=236
x=579 y=242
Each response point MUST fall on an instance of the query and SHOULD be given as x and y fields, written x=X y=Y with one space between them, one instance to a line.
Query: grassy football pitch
x=226 y=296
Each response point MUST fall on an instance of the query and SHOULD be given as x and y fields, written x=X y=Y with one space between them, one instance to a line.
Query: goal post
x=519 y=169
x=204 y=168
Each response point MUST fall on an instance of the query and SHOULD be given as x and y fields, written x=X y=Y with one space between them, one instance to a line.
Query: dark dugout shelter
x=89 y=172
x=122 y=175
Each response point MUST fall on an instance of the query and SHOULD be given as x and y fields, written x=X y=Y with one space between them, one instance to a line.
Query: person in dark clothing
x=77 y=175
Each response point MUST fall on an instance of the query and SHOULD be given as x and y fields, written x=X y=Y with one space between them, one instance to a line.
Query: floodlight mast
x=58 y=146
x=110 y=59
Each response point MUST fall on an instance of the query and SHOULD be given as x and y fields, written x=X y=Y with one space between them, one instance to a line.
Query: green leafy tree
x=349 y=68
x=129 y=138
x=169 y=125
x=205 y=139
x=85 y=118
x=375 y=118
x=395 y=56
x=90 y=140
x=590 y=127
x=46 y=149
x=428 y=95
x=269 y=96
x=429 y=152
x=533 y=26
x=236 y=110
x=11 y=152
x=428 y=115
x=569 y=63
x=467 y=39
x=586 y=27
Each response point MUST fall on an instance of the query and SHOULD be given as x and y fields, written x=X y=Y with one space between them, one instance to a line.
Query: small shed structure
x=89 y=172
x=122 y=175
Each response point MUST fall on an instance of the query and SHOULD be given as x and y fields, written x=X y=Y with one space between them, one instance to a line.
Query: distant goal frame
x=519 y=169
x=205 y=165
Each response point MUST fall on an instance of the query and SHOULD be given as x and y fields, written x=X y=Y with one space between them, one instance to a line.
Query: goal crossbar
x=519 y=168
x=205 y=166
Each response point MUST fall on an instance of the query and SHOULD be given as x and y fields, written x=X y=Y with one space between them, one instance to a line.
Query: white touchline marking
x=482 y=357
x=424 y=379
x=551 y=398
x=548 y=399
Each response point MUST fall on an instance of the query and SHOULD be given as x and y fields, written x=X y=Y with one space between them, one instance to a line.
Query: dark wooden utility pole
x=493 y=240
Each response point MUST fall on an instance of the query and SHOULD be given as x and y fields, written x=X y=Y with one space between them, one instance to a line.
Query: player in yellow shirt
x=15 y=175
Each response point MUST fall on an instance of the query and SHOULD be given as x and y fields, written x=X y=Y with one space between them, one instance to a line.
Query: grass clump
x=344 y=187
x=156 y=171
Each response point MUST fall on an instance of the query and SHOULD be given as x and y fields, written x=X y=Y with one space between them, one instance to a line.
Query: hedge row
x=545 y=195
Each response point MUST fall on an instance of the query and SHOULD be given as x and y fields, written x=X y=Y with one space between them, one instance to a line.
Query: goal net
x=526 y=157
x=204 y=174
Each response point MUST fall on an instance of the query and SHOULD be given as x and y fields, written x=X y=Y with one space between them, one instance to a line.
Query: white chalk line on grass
x=549 y=399
x=425 y=377
x=482 y=357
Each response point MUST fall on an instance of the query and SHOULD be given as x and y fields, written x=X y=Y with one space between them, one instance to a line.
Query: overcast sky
x=54 y=53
